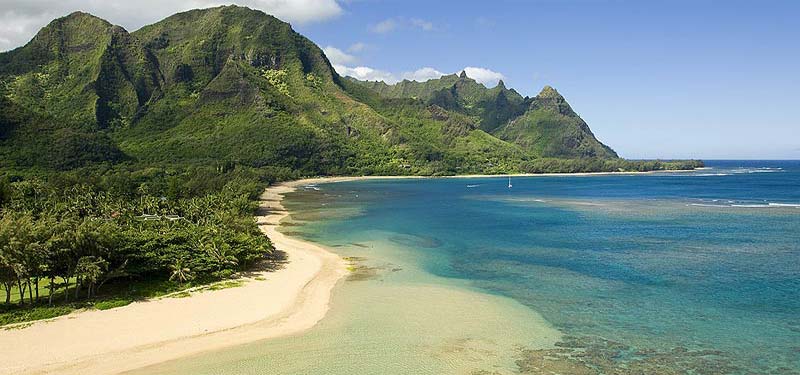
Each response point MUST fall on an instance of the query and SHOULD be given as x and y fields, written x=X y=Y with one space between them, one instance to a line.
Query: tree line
x=76 y=237
x=584 y=165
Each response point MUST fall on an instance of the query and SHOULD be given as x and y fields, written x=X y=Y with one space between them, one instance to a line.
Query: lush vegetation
x=109 y=236
x=230 y=84
x=489 y=108
x=130 y=162
x=544 y=126
x=584 y=165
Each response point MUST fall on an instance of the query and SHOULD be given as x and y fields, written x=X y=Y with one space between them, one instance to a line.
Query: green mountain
x=490 y=108
x=234 y=86
x=545 y=126
x=549 y=127
x=84 y=70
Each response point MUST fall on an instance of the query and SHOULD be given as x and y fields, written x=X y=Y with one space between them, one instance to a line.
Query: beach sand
x=269 y=304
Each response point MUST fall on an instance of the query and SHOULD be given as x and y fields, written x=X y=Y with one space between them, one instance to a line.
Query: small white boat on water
x=509 y=182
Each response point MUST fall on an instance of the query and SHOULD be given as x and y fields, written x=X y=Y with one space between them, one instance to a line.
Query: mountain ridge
x=233 y=85
x=506 y=114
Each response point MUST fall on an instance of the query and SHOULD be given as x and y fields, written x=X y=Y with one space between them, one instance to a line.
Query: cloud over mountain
x=20 y=19
x=486 y=76
x=338 y=57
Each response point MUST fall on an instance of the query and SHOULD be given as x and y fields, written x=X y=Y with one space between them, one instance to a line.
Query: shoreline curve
x=147 y=333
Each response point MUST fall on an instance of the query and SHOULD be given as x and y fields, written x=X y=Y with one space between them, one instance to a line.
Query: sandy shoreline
x=152 y=332
x=293 y=299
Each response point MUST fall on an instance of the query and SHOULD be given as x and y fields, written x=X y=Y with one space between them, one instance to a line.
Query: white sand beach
x=269 y=304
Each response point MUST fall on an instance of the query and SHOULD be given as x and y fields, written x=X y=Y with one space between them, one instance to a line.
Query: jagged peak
x=501 y=84
x=550 y=99
x=549 y=92
x=463 y=74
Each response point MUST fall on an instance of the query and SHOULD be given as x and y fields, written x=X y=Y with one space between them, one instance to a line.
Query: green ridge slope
x=550 y=128
x=234 y=86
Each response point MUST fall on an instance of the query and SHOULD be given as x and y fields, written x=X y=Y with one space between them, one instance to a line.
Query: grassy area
x=109 y=297
x=44 y=290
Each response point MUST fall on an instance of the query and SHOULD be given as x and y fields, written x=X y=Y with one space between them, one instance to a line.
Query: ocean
x=665 y=273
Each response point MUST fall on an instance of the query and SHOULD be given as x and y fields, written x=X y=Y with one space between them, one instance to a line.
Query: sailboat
x=509 y=182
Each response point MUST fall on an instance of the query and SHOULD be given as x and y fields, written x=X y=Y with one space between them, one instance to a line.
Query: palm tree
x=180 y=272
x=219 y=251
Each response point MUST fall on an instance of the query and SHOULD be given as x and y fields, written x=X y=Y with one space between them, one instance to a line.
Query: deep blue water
x=704 y=260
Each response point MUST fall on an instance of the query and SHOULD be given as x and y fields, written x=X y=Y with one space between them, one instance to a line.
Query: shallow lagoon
x=670 y=273
x=389 y=316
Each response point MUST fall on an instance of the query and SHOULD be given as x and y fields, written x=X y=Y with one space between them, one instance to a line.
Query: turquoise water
x=694 y=272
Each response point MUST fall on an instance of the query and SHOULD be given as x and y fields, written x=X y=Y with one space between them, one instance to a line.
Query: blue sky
x=664 y=79
x=654 y=79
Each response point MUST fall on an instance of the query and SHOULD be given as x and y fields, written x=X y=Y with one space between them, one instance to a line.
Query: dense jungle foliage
x=108 y=236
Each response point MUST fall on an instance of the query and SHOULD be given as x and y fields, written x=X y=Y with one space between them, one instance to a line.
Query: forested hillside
x=544 y=126
x=236 y=86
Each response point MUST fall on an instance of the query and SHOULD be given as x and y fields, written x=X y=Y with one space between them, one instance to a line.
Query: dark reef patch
x=589 y=355
x=411 y=240
x=362 y=272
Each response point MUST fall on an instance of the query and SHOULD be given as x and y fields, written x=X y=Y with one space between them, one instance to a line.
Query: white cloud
x=300 y=11
x=422 y=74
x=17 y=28
x=21 y=19
x=422 y=24
x=366 y=73
x=385 y=26
x=485 y=76
x=357 y=47
x=337 y=56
